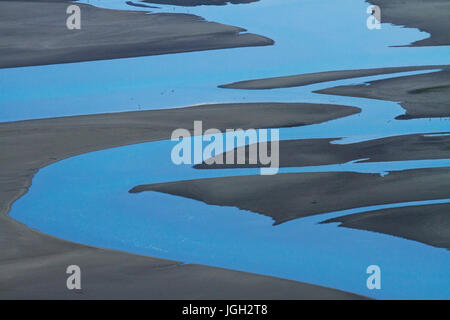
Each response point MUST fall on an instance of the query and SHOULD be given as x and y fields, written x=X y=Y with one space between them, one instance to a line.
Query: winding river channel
x=86 y=197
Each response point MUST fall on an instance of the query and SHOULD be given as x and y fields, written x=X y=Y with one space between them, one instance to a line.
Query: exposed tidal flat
x=199 y=2
x=314 y=152
x=36 y=34
x=145 y=164
x=421 y=95
x=179 y=80
x=294 y=195
x=427 y=223
x=394 y=12
x=35 y=143
x=93 y=187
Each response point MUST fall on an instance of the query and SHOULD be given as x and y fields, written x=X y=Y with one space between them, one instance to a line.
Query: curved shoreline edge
x=33 y=264
x=28 y=255
x=428 y=224
x=422 y=95
x=305 y=79
x=37 y=34
x=395 y=12
x=23 y=259
x=321 y=151
x=315 y=193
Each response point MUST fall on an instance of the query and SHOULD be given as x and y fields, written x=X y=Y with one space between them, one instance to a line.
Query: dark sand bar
x=140 y=5
x=36 y=34
x=422 y=96
x=33 y=264
x=315 y=152
x=289 y=196
x=429 y=224
x=408 y=13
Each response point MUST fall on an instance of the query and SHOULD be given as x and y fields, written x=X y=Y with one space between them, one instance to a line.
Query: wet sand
x=140 y=5
x=429 y=224
x=193 y=3
x=32 y=264
x=318 y=77
x=422 y=96
x=431 y=16
x=315 y=152
x=289 y=196
x=36 y=34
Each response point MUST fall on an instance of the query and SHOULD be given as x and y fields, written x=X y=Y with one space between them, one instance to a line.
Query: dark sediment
x=36 y=34
x=289 y=196
x=429 y=224
x=315 y=152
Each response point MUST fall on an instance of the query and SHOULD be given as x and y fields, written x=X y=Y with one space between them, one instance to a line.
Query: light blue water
x=89 y=204
x=89 y=200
